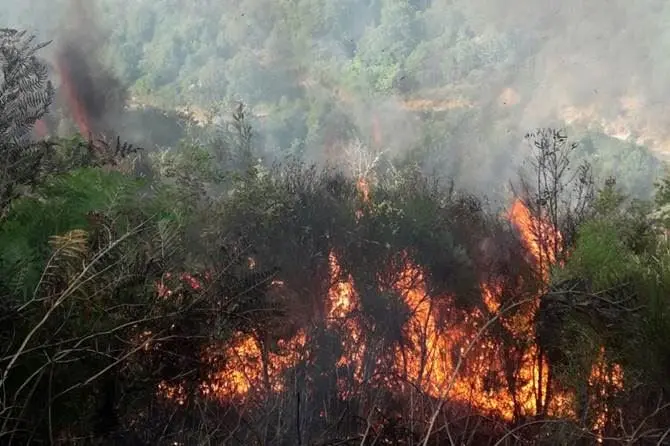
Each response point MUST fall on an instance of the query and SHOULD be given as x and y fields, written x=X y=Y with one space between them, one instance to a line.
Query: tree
x=383 y=49
x=556 y=191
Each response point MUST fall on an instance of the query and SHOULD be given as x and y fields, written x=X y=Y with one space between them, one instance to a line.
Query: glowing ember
x=174 y=393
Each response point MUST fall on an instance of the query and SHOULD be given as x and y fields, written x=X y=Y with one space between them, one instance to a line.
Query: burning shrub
x=302 y=306
x=379 y=329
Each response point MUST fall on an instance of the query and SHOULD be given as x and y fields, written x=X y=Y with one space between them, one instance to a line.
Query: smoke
x=474 y=76
x=595 y=63
x=93 y=95
x=585 y=53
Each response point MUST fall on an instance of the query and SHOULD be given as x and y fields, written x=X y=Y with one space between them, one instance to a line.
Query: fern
x=25 y=95
x=70 y=252
x=63 y=204
x=72 y=247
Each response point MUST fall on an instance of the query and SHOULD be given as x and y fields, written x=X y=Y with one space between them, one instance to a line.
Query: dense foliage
x=460 y=82
x=119 y=269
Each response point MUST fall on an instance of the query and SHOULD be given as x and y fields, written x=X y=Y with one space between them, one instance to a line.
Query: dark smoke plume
x=92 y=95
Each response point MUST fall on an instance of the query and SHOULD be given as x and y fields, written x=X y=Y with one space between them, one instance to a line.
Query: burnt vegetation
x=203 y=295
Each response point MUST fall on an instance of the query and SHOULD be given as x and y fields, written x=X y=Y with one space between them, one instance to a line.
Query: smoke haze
x=94 y=95
x=474 y=75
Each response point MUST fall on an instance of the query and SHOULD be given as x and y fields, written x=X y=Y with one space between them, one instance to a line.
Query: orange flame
x=606 y=379
x=428 y=360
x=250 y=367
x=439 y=346
x=445 y=353
x=363 y=188
x=343 y=307
x=73 y=101
x=541 y=239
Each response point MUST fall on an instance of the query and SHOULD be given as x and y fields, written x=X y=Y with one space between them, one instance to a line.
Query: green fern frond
x=65 y=203
x=25 y=95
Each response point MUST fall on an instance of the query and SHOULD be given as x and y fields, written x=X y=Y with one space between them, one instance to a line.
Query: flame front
x=252 y=368
x=453 y=357
x=444 y=352
x=539 y=236
x=434 y=344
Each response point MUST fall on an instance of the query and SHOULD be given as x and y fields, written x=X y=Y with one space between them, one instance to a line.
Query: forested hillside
x=386 y=223
x=458 y=81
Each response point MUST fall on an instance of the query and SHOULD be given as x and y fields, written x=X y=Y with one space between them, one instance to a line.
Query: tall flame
x=445 y=352
x=539 y=236
x=427 y=360
x=439 y=345
x=74 y=102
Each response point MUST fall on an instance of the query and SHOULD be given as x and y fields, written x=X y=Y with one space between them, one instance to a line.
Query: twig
x=459 y=364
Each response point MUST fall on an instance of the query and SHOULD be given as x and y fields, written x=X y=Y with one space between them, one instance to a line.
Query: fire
x=246 y=369
x=73 y=100
x=174 y=393
x=437 y=346
x=341 y=296
x=445 y=353
x=605 y=379
x=364 y=189
x=343 y=308
x=428 y=360
x=541 y=239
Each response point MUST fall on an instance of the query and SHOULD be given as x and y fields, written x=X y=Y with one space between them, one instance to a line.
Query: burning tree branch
x=459 y=364
x=555 y=193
